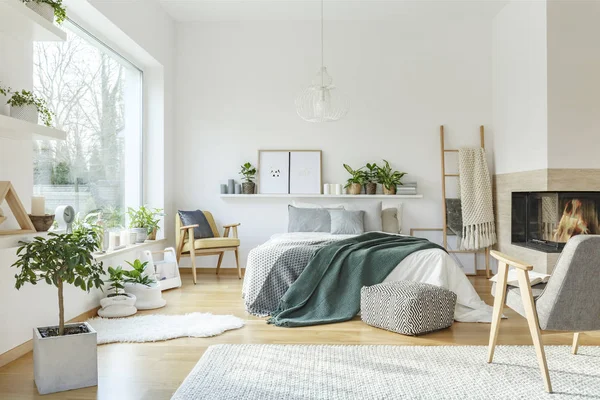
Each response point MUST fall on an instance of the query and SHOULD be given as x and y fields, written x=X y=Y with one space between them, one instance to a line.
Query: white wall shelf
x=322 y=196
x=19 y=21
x=16 y=129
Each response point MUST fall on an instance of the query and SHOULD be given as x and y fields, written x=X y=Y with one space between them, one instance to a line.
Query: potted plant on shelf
x=49 y=9
x=371 y=178
x=248 y=173
x=59 y=260
x=389 y=178
x=143 y=285
x=28 y=107
x=355 y=183
x=144 y=222
x=117 y=303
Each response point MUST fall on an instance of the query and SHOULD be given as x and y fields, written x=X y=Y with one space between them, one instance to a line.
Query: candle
x=338 y=189
x=38 y=205
x=112 y=240
x=326 y=188
x=124 y=238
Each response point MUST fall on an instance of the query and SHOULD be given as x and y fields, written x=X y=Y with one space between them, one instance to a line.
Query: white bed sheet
x=433 y=266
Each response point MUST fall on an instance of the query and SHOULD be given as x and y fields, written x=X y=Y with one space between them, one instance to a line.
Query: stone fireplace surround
x=541 y=180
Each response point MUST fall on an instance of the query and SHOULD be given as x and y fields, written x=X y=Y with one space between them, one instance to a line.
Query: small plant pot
x=117 y=306
x=141 y=234
x=43 y=9
x=147 y=297
x=42 y=222
x=354 y=188
x=390 y=191
x=371 y=188
x=65 y=362
x=27 y=113
x=248 y=187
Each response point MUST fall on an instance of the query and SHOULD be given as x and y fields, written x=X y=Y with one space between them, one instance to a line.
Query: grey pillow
x=372 y=211
x=203 y=230
x=308 y=219
x=347 y=222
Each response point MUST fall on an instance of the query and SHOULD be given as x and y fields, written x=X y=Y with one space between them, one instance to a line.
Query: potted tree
x=144 y=222
x=64 y=356
x=371 y=178
x=117 y=303
x=389 y=178
x=248 y=173
x=142 y=284
x=28 y=107
x=49 y=9
x=355 y=183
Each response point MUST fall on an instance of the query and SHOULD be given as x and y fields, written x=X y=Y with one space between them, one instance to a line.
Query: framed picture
x=273 y=172
x=305 y=172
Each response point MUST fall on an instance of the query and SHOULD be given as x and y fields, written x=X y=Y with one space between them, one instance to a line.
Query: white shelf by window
x=19 y=21
x=322 y=196
x=16 y=129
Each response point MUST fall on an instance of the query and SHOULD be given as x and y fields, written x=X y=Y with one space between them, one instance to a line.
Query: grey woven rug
x=389 y=372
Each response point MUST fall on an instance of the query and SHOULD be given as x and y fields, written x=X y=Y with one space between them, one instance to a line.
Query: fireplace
x=544 y=221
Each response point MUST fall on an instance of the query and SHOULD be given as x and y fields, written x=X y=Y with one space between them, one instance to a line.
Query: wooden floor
x=155 y=370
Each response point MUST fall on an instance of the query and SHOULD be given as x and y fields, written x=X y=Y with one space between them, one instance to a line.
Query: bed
x=273 y=266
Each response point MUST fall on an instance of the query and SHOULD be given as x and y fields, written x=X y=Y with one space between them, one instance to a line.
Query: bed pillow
x=299 y=204
x=308 y=219
x=372 y=211
x=391 y=219
x=345 y=222
x=203 y=230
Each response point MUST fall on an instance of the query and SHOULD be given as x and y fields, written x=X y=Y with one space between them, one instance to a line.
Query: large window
x=96 y=97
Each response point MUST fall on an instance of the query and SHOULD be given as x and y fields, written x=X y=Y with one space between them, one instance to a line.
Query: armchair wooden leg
x=219 y=262
x=534 y=327
x=575 y=343
x=499 y=300
x=237 y=262
x=193 y=258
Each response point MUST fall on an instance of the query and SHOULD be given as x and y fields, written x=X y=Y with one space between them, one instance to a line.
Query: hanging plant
x=26 y=98
x=4 y=90
x=60 y=12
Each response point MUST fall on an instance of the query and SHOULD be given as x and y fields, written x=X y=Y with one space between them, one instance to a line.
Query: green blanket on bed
x=328 y=290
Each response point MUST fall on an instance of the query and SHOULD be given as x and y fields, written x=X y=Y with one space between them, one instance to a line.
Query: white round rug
x=152 y=328
x=389 y=372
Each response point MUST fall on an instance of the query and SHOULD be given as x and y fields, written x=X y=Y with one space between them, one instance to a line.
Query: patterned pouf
x=409 y=308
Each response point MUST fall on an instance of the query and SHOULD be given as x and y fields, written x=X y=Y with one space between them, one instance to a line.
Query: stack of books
x=407 y=189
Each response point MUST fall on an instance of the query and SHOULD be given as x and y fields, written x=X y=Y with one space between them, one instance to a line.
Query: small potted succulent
x=60 y=260
x=355 y=183
x=142 y=283
x=371 y=178
x=117 y=303
x=248 y=173
x=29 y=107
x=144 y=222
x=389 y=178
x=49 y=9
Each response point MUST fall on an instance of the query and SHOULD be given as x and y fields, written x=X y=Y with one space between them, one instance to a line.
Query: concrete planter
x=43 y=9
x=27 y=113
x=65 y=362
x=141 y=234
x=147 y=297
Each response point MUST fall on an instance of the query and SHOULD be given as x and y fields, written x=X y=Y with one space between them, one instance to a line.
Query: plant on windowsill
x=59 y=260
x=355 y=183
x=117 y=303
x=49 y=9
x=248 y=173
x=371 y=178
x=144 y=222
x=29 y=107
x=389 y=178
x=141 y=282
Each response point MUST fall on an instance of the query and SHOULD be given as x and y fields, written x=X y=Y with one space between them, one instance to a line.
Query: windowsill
x=128 y=249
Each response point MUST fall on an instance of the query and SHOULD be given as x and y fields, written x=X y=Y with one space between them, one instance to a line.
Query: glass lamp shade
x=321 y=102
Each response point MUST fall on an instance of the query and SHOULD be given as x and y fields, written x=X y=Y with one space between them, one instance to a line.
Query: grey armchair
x=570 y=301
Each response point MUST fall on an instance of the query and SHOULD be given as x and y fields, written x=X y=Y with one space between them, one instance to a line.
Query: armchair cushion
x=513 y=296
x=203 y=230
x=212 y=243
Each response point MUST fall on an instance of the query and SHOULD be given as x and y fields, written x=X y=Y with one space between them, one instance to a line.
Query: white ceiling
x=349 y=10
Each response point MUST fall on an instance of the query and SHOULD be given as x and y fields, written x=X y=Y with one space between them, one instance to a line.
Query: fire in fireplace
x=546 y=220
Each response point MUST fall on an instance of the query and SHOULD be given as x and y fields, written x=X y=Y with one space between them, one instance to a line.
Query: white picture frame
x=305 y=172
x=273 y=171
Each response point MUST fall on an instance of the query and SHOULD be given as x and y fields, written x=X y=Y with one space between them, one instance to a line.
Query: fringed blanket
x=479 y=230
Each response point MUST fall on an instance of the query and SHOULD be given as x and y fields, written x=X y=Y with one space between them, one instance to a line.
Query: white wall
x=520 y=88
x=236 y=85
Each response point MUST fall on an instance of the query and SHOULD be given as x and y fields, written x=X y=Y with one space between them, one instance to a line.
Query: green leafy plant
x=116 y=280
x=4 y=90
x=90 y=222
x=27 y=98
x=60 y=12
x=145 y=217
x=388 y=177
x=112 y=217
x=248 y=172
x=137 y=275
x=358 y=176
x=371 y=173
x=57 y=260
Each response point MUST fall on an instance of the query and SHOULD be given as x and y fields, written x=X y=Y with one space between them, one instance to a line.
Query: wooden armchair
x=188 y=246
x=570 y=301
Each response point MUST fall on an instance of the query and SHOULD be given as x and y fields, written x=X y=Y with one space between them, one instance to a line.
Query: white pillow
x=372 y=211
x=391 y=219
x=299 y=204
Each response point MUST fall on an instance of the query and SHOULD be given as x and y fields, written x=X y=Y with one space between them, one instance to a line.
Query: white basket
x=26 y=113
x=43 y=9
